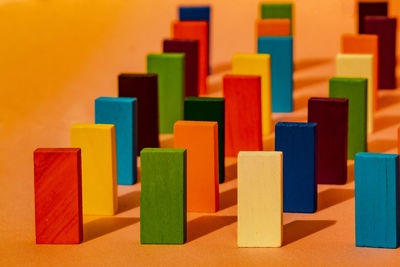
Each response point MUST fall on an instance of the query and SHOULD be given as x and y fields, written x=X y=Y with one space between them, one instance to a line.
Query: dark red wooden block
x=58 y=195
x=191 y=50
x=385 y=28
x=331 y=116
x=370 y=9
x=144 y=88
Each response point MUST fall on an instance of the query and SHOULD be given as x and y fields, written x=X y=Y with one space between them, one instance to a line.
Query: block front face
x=355 y=90
x=260 y=199
x=366 y=9
x=298 y=143
x=209 y=109
x=376 y=200
x=99 y=167
x=163 y=196
x=273 y=27
x=143 y=87
x=121 y=112
x=170 y=68
x=277 y=11
x=58 y=195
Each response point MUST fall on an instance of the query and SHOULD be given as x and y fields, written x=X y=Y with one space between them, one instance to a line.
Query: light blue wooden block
x=377 y=197
x=281 y=51
x=121 y=111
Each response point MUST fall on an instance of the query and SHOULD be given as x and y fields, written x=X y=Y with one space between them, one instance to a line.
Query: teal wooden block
x=277 y=11
x=163 y=196
x=170 y=68
x=377 y=200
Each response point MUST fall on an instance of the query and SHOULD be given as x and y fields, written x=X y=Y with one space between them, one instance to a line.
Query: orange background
x=56 y=57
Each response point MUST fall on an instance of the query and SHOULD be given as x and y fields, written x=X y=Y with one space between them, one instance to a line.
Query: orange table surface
x=56 y=57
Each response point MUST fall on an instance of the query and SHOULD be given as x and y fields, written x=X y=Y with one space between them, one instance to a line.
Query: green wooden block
x=209 y=109
x=277 y=11
x=163 y=196
x=355 y=90
x=170 y=68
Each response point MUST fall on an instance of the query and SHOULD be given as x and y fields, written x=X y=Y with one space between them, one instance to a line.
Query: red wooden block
x=58 y=195
x=242 y=113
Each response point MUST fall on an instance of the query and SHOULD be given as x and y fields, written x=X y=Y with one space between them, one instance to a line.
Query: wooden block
x=99 y=167
x=259 y=199
x=195 y=30
x=365 y=9
x=200 y=138
x=364 y=44
x=121 y=111
x=272 y=27
x=58 y=195
x=331 y=116
x=198 y=13
x=298 y=142
x=143 y=87
x=385 y=29
x=359 y=66
x=355 y=90
x=376 y=187
x=277 y=11
x=242 y=114
x=260 y=65
x=281 y=51
x=191 y=50
x=170 y=68
x=209 y=109
x=163 y=196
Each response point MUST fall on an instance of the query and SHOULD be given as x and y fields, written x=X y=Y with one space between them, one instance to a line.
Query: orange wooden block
x=273 y=27
x=195 y=30
x=200 y=138
x=364 y=44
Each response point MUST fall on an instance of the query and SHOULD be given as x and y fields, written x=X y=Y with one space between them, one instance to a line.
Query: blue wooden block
x=281 y=51
x=121 y=111
x=377 y=197
x=298 y=143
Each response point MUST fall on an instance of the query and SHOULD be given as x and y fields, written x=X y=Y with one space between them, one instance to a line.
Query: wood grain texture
x=200 y=139
x=243 y=130
x=259 y=199
x=58 y=195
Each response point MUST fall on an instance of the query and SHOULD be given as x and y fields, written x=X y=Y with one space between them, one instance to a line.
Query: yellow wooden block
x=359 y=66
x=99 y=168
x=260 y=199
x=257 y=64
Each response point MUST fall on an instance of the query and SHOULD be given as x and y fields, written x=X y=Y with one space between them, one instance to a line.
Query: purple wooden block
x=385 y=28
x=370 y=9
x=191 y=49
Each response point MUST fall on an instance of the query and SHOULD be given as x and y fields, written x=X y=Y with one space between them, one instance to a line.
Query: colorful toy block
x=368 y=8
x=281 y=51
x=355 y=90
x=385 y=29
x=359 y=66
x=209 y=109
x=277 y=11
x=195 y=30
x=163 y=196
x=191 y=50
x=99 y=167
x=273 y=27
x=376 y=186
x=259 y=199
x=242 y=114
x=58 y=195
x=170 y=68
x=143 y=87
x=331 y=116
x=200 y=138
x=121 y=111
x=260 y=65
x=298 y=142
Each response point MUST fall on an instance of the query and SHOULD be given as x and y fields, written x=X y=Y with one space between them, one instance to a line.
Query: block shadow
x=333 y=196
x=128 y=201
x=222 y=67
x=304 y=82
x=387 y=100
x=384 y=122
x=230 y=172
x=381 y=146
x=299 y=229
x=309 y=63
x=228 y=199
x=350 y=171
x=103 y=226
x=207 y=224
x=300 y=102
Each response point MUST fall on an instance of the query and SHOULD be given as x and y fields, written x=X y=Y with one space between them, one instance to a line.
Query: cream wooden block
x=359 y=66
x=260 y=199
x=257 y=64
x=99 y=167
